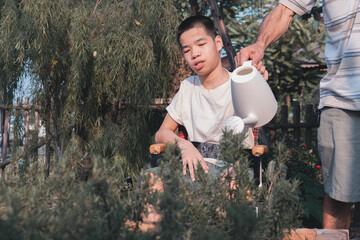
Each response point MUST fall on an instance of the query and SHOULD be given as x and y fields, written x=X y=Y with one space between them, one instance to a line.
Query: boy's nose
x=195 y=54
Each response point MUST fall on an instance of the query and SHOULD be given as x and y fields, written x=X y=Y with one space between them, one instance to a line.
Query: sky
x=24 y=90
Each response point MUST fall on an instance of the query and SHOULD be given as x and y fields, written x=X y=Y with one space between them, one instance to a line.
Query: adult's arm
x=191 y=157
x=275 y=24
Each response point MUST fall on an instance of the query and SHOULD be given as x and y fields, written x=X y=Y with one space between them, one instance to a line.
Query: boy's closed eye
x=186 y=50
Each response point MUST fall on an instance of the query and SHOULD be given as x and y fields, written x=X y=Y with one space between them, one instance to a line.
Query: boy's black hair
x=196 y=21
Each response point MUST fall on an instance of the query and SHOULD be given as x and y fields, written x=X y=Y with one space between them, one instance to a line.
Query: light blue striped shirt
x=340 y=87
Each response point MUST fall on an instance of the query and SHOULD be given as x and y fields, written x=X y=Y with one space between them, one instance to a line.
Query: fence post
x=27 y=119
x=2 y=121
x=16 y=125
x=308 y=121
x=5 y=142
x=296 y=120
x=284 y=120
x=272 y=131
x=37 y=125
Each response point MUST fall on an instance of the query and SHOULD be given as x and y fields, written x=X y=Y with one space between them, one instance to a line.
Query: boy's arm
x=166 y=132
x=275 y=24
x=189 y=154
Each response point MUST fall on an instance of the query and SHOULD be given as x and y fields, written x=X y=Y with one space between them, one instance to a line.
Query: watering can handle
x=247 y=63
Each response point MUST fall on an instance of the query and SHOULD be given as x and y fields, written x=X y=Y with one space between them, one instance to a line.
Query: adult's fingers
x=261 y=68
x=254 y=52
x=245 y=55
x=266 y=75
x=242 y=56
x=256 y=61
x=238 y=58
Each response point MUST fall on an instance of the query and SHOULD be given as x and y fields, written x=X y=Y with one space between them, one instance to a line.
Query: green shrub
x=64 y=206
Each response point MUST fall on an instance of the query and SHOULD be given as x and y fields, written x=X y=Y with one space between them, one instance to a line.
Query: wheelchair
x=209 y=150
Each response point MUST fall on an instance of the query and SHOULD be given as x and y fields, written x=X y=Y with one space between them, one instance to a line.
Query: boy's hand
x=191 y=157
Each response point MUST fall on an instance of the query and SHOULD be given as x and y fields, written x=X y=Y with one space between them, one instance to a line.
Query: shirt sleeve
x=174 y=109
x=300 y=7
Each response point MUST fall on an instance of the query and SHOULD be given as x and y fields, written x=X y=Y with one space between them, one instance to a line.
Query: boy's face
x=200 y=50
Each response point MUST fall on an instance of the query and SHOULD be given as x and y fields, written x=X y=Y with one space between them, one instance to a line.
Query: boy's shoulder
x=191 y=81
x=189 y=85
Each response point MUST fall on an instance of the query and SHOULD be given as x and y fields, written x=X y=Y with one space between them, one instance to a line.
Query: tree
x=11 y=61
x=86 y=56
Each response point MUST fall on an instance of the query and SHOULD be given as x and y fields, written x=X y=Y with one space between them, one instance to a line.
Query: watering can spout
x=251 y=120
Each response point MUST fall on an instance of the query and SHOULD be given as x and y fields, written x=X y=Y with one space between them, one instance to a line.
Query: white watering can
x=254 y=103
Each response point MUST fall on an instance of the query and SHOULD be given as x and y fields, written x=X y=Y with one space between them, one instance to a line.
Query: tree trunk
x=47 y=136
x=5 y=142
x=194 y=6
x=2 y=121
x=215 y=11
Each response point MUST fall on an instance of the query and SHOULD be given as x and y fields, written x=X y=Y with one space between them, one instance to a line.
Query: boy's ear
x=218 y=42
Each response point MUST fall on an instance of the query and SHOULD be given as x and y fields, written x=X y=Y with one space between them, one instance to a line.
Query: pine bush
x=63 y=206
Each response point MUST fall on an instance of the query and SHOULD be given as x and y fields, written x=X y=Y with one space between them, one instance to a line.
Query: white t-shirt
x=203 y=112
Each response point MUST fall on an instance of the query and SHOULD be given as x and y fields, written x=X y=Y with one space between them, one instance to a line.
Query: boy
x=202 y=104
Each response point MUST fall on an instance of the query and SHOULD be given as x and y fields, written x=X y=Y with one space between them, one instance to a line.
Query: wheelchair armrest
x=259 y=150
x=161 y=147
x=157 y=148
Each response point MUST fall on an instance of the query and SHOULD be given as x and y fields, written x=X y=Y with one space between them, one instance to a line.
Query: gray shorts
x=338 y=142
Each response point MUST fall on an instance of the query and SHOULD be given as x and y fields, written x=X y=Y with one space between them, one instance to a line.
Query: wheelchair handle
x=157 y=148
x=259 y=150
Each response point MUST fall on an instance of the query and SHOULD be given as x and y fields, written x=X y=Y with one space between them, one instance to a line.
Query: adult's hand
x=256 y=53
x=272 y=28
x=191 y=157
